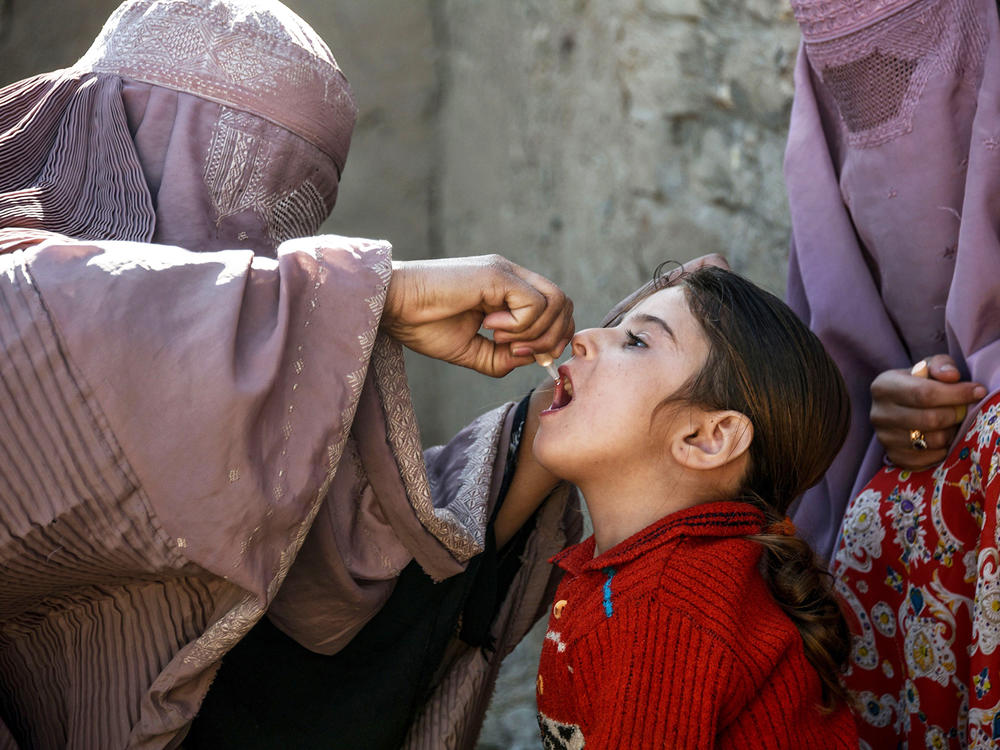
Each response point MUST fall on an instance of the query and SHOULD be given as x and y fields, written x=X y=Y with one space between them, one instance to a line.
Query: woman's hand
x=712 y=259
x=437 y=308
x=928 y=399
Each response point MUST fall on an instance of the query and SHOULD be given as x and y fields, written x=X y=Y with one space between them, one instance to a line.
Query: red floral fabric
x=918 y=567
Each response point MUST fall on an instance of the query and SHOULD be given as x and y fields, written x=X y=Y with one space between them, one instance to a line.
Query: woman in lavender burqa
x=206 y=430
x=893 y=174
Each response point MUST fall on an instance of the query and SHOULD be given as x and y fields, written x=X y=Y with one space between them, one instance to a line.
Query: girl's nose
x=584 y=342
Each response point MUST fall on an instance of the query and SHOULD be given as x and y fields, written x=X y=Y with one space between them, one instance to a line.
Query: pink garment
x=891 y=166
x=177 y=427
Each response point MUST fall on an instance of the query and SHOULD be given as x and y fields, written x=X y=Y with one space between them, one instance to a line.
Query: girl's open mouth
x=563 y=393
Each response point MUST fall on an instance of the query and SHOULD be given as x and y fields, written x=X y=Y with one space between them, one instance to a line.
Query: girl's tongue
x=563 y=393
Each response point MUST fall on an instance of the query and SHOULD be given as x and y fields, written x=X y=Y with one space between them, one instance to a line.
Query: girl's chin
x=554 y=459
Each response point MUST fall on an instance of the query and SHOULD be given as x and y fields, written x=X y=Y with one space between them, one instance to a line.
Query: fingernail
x=522 y=351
x=947 y=368
x=978 y=391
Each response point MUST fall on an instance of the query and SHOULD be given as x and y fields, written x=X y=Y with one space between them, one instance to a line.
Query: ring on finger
x=918 y=440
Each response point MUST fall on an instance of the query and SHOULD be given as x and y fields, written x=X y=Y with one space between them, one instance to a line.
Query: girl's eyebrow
x=647 y=318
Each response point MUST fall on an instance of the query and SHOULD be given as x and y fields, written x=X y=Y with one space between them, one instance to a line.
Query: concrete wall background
x=586 y=139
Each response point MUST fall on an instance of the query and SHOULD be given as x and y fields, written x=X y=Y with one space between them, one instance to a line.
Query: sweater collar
x=718 y=519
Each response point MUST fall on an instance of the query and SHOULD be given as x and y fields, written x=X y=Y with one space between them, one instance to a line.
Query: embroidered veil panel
x=245 y=171
x=875 y=58
x=458 y=517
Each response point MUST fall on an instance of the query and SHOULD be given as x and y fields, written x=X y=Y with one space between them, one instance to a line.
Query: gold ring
x=918 y=440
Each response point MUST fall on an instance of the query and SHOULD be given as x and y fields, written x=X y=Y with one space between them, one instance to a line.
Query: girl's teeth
x=568 y=385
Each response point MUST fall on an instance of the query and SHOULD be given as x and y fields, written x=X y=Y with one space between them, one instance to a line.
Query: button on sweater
x=671 y=639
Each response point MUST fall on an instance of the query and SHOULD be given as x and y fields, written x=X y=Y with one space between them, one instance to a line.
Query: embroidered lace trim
x=460 y=524
x=821 y=20
x=228 y=629
x=236 y=176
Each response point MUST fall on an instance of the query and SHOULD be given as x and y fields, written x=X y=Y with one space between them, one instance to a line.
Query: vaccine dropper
x=544 y=360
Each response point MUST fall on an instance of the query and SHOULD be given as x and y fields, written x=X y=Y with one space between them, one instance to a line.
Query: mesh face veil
x=875 y=57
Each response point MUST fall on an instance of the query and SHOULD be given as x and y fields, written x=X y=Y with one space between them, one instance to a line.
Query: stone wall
x=590 y=140
x=593 y=139
x=587 y=139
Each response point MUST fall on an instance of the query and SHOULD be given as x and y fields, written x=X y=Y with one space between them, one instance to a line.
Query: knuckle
x=923 y=396
x=896 y=456
x=878 y=417
x=941 y=439
x=879 y=387
x=940 y=420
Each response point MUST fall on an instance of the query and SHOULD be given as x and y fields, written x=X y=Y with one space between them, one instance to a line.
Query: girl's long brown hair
x=765 y=363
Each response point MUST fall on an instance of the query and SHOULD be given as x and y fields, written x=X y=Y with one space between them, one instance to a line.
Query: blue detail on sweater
x=608 y=608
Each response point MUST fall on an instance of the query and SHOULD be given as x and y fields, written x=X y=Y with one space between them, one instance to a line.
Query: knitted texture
x=671 y=639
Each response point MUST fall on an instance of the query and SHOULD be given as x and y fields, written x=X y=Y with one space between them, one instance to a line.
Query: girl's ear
x=712 y=439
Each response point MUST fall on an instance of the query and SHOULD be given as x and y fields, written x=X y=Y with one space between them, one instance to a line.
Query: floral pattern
x=918 y=571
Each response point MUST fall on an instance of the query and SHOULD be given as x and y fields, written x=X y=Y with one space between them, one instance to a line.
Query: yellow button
x=541 y=685
x=557 y=610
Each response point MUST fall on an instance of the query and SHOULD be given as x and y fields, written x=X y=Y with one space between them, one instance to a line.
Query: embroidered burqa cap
x=820 y=20
x=251 y=55
x=209 y=124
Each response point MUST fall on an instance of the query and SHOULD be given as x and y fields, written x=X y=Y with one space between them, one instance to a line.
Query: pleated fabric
x=126 y=569
x=83 y=609
x=67 y=161
x=192 y=440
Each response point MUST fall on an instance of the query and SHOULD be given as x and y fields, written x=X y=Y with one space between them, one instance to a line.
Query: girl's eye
x=633 y=340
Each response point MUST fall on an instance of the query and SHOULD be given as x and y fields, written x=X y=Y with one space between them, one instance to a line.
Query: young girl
x=693 y=617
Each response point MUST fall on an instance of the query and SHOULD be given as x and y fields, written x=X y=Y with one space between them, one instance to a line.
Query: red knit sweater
x=672 y=640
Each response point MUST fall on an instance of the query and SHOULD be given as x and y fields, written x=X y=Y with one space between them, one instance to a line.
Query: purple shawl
x=193 y=440
x=892 y=166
